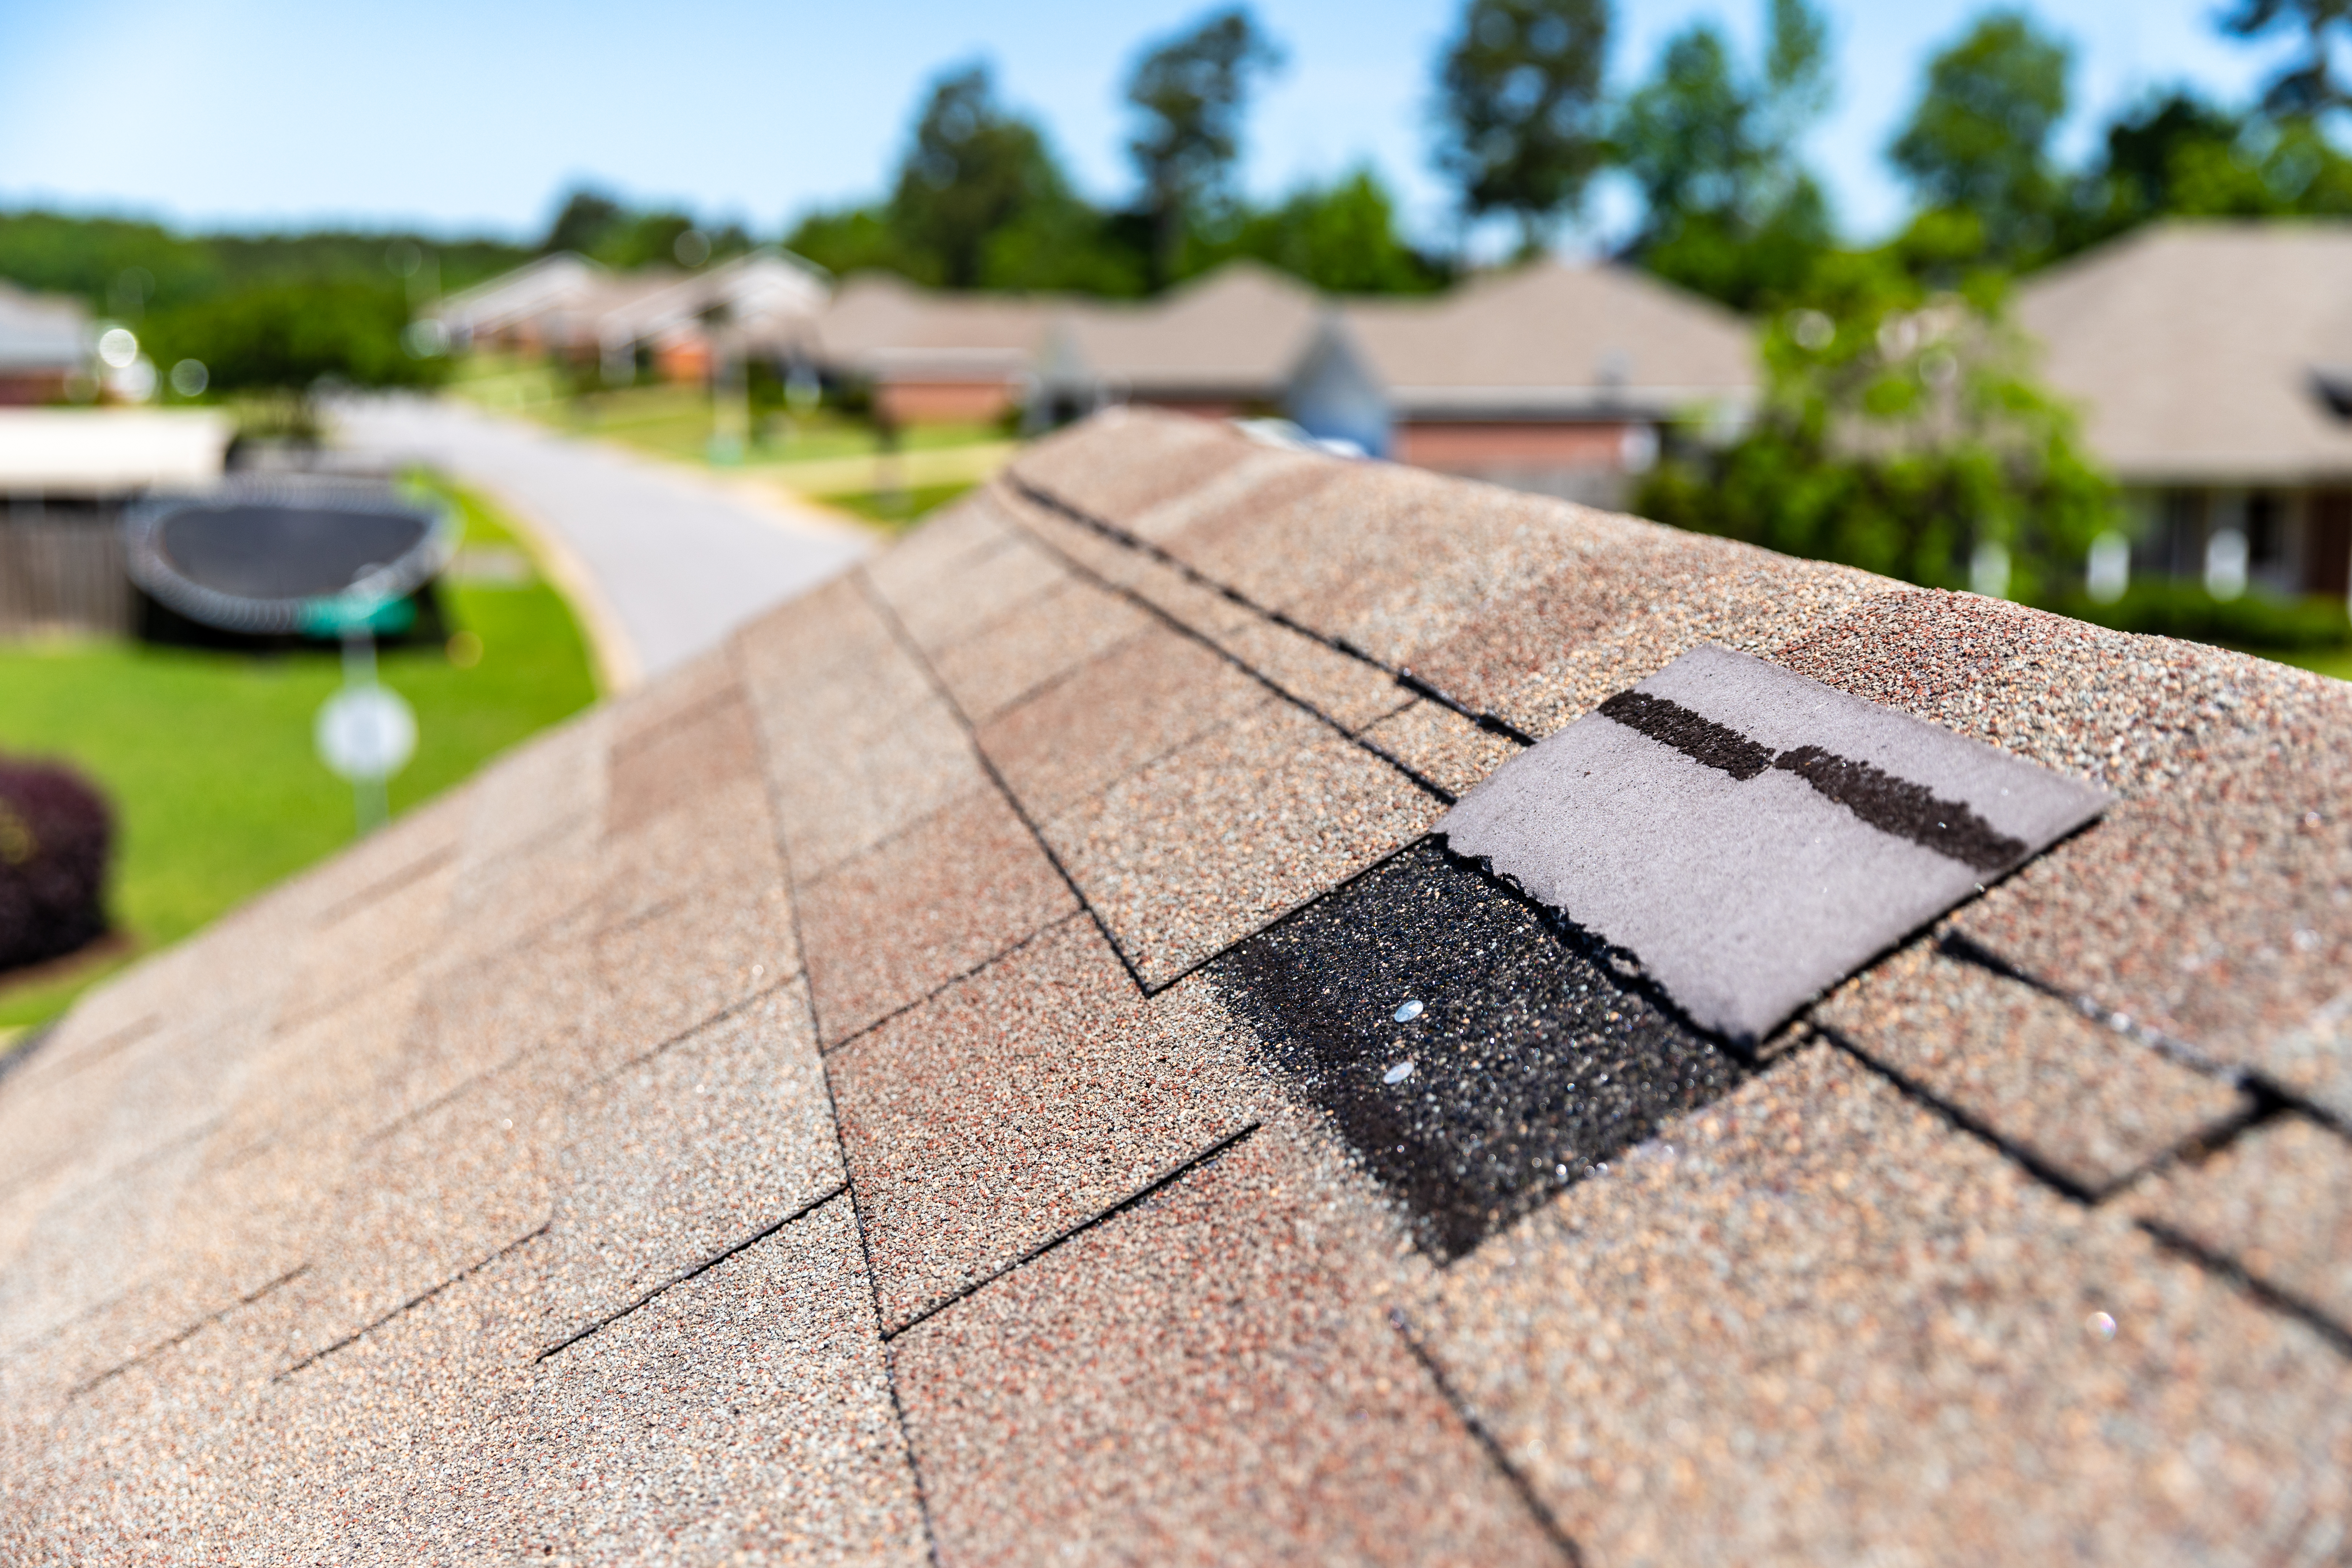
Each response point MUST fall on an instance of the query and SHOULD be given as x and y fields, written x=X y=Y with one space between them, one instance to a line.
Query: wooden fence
x=62 y=574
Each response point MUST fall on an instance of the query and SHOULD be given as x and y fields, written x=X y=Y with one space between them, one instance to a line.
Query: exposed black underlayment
x=1892 y=804
x=1531 y=1061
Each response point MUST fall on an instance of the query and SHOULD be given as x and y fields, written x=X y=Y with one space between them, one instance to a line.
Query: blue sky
x=471 y=116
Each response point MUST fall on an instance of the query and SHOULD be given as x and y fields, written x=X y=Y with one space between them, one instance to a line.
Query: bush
x=57 y=833
x=2254 y=619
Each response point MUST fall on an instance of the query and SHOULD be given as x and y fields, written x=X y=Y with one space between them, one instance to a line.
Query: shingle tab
x=1022 y=1102
x=1754 y=836
x=2085 y=1100
x=1812 y=1324
x=2277 y=1203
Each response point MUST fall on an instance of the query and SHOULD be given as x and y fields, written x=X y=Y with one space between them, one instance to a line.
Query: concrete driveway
x=661 y=562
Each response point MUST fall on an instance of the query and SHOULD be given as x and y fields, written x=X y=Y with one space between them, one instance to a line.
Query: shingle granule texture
x=1812 y=1324
x=922 y=1083
x=2277 y=1203
x=2087 y=1101
x=1204 y=847
x=1016 y=1105
x=1201 y=1379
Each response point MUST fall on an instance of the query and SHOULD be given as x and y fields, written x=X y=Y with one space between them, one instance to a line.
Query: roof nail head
x=1399 y=1073
x=1408 y=1012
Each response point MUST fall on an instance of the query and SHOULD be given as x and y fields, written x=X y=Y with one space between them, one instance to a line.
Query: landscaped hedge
x=57 y=833
x=2254 y=619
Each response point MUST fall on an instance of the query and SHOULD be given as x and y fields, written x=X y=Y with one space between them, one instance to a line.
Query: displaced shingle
x=1205 y=1378
x=907 y=916
x=2082 y=1099
x=1812 y=1323
x=1474 y=1059
x=2277 y=1203
x=1015 y=1106
x=1211 y=842
x=1752 y=837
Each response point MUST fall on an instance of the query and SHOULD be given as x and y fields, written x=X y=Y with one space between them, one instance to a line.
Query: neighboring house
x=2213 y=364
x=46 y=340
x=1229 y=343
x=1550 y=378
x=571 y=307
x=930 y=357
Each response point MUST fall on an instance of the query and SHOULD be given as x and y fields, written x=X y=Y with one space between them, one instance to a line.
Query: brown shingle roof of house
x=896 y=1088
x=2191 y=348
x=878 y=323
x=1237 y=332
x=1550 y=337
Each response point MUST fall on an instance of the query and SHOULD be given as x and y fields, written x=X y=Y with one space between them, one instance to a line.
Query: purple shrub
x=56 y=834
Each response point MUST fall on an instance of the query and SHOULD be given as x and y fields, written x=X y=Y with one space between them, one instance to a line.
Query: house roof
x=1237 y=332
x=1549 y=338
x=2193 y=348
x=42 y=332
x=924 y=1082
x=538 y=288
x=878 y=324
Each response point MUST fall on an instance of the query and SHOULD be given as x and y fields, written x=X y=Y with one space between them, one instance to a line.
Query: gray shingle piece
x=2083 y=1099
x=1021 y=1102
x=2277 y=1203
x=744 y=1416
x=1812 y=1323
x=1207 y=1378
x=1732 y=856
x=676 y=1158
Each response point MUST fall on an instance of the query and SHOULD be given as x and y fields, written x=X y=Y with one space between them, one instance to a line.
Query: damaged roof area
x=1006 y=1062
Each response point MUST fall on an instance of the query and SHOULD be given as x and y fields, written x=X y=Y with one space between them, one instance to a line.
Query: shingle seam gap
x=708 y=1264
x=152 y=1352
x=971 y=738
x=1966 y=950
x=1157 y=1185
x=123 y=1039
x=1181 y=628
x=384 y=887
x=741 y=1005
x=833 y=1113
x=659 y=730
x=1492 y=722
x=874 y=1297
x=1486 y=1440
x=2337 y=1335
x=864 y=1031
x=417 y=1301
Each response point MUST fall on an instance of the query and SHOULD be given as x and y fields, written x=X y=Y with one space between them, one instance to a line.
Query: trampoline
x=288 y=554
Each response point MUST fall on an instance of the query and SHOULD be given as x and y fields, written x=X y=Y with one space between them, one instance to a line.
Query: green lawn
x=901 y=511
x=2336 y=662
x=208 y=758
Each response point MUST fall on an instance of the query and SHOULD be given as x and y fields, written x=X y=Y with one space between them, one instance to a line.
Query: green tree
x=1979 y=139
x=1520 y=109
x=2307 y=85
x=286 y=339
x=974 y=169
x=1341 y=238
x=1901 y=431
x=583 y=220
x=1189 y=94
x=1727 y=206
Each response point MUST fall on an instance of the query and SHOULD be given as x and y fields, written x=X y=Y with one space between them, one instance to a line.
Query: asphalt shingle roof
x=923 y=1081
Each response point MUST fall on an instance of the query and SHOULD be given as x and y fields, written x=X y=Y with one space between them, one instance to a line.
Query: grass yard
x=2336 y=662
x=208 y=760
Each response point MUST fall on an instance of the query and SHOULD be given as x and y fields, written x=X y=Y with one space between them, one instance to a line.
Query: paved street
x=671 y=561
